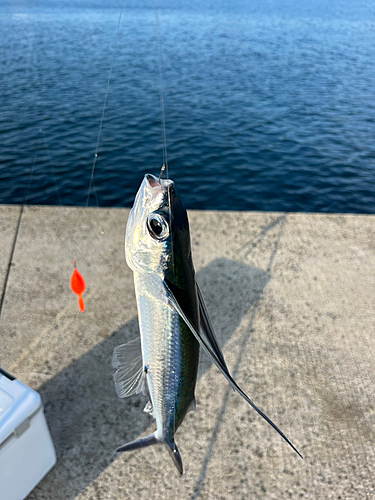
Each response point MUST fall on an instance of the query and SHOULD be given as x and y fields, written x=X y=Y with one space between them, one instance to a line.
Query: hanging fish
x=77 y=285
x=173 y=319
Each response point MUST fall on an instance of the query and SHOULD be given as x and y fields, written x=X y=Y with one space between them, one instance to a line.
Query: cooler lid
x=18 y=403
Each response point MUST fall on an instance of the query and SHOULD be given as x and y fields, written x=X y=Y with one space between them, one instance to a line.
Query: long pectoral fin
x=207 y=329
x=222 y=367
x=130 y=376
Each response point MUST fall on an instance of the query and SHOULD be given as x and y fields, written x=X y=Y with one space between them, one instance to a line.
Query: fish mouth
x=153 y=182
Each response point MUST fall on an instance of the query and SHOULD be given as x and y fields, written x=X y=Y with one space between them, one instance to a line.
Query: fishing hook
x=161 y=171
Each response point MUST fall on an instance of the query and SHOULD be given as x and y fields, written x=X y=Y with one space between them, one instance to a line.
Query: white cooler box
x=26 y=448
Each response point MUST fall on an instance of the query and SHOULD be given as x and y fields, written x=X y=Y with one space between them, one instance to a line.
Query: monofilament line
x=51 y=165
x=104 y=106
x=163 y=132
x=164 y=139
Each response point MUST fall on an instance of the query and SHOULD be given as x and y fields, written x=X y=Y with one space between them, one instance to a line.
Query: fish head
x=157 y=233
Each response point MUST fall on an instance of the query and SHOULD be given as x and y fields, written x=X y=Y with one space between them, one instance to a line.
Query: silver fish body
x=170 y=353
x=173 y=318
x=170 y=356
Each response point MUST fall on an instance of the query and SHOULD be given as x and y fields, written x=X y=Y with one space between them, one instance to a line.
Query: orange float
x=77 y=285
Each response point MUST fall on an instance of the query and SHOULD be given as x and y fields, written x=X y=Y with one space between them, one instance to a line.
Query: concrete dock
x=291 y=297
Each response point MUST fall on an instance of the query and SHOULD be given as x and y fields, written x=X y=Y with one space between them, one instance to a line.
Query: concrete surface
x=292 y=299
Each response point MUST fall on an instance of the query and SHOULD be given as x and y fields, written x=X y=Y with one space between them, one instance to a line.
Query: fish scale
x=171 y=373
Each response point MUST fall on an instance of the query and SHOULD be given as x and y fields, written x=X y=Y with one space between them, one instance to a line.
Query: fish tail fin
x=140 y=443
x=153 y=439
x=175 y=454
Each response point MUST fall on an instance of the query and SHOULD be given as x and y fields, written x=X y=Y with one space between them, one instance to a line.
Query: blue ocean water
x=269 y=105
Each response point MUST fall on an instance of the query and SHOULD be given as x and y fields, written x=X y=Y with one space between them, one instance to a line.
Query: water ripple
x=264 y=110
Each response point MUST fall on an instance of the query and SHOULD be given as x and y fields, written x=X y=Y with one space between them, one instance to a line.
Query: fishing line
x=52 y=166
x=2 y=298
x=164 y=142
x=77 y=283
x=162 y=110
x=26 y=198
x=30 y=178
x=10 y=260
x=163 y=131
x=92 y=182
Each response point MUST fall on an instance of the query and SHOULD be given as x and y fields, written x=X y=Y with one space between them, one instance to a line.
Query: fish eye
x=157 y=226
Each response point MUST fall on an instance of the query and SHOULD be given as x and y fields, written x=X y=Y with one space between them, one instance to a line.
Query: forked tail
x=149 y=441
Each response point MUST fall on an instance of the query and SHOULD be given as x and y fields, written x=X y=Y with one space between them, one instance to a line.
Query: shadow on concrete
x=280 y=221
x=87 y=420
